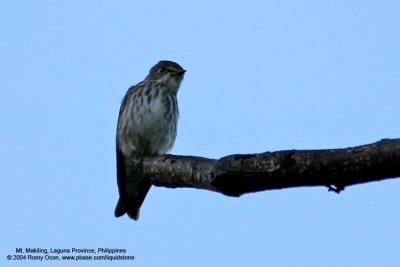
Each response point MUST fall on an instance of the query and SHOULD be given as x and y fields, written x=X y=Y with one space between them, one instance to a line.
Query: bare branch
x=239 y=174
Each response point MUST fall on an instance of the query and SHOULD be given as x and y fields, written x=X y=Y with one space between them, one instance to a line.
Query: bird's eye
x=161 y=70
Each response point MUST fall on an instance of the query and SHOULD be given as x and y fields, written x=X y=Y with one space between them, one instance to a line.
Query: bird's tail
x=133 y=200
x=131 y=208
x=133 y=188
x=120 y=209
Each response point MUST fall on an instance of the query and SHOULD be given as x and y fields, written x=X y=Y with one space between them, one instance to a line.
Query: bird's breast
x=151 y=128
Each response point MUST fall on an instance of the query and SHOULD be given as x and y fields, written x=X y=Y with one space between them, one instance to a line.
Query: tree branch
x=235 y=175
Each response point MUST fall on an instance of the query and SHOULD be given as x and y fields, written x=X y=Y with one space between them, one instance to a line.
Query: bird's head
x=167 y=71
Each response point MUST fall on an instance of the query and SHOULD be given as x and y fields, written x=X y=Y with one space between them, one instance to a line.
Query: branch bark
x=235 y=175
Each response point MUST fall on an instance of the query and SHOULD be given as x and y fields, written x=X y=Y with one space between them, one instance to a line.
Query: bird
x=147 y=123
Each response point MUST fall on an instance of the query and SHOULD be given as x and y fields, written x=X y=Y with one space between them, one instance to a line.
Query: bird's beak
x=180 y=73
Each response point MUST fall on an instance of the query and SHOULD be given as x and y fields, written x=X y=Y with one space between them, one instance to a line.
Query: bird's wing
x=121 y=181
x=131 y=185
x=121 y=168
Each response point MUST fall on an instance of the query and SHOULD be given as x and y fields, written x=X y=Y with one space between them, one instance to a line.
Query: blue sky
x=262 y=76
